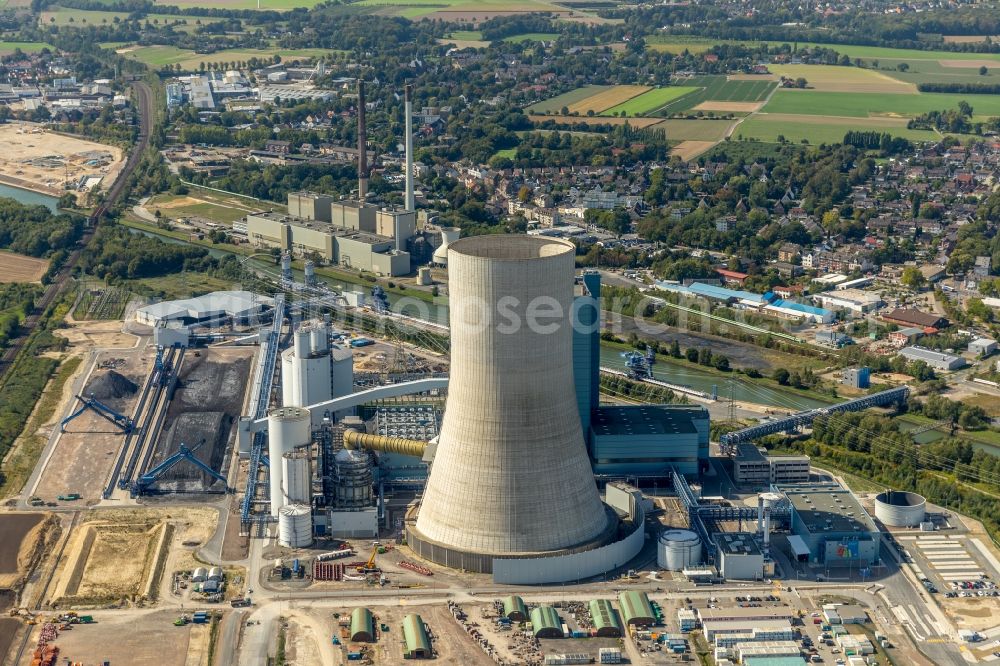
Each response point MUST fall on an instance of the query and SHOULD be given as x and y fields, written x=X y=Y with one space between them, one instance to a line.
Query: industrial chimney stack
x=410 y=203
x=362 y=144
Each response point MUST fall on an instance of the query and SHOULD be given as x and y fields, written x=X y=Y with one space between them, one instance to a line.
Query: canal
x=29 y=198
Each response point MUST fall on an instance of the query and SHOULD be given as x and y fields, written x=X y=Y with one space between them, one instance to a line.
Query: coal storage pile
x=111 y=385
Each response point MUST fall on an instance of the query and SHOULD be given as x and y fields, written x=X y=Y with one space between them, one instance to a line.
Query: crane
x=120 y=420
x=144 y=483
x=369 y=566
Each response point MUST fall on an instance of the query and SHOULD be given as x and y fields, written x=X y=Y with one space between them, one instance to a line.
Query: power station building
x=344 y=246
x=648 y=439
x=644 y=440
x=832 y=524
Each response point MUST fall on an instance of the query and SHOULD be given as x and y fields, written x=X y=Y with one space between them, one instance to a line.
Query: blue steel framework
x=730 y=440
x=262 y=399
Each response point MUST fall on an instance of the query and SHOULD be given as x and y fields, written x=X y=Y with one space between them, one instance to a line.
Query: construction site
x=44 y=161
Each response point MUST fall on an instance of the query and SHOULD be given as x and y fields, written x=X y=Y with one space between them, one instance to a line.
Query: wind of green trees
x=116 y=253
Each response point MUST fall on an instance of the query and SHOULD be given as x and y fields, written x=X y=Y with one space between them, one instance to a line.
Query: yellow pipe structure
x=354 y=439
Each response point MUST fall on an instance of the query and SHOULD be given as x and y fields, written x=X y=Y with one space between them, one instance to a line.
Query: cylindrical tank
x=511 y=473
x=678 y=549
x=297 y=477
x=305 y=380
x=287 y=428
x=897 y=508
x=341 y=375
x=424 y=276
x=215 y=573
x=319 y=337
x=295 y=526
x=354 y=479
x=310 y=272
x=302 y=342
x=199 y=575
x=286 y=265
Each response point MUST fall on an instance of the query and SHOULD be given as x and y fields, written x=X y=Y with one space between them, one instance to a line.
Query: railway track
x=144 y=97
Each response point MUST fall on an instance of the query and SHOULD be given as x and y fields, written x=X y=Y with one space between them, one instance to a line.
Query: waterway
x=29 y=198
x=742 y=390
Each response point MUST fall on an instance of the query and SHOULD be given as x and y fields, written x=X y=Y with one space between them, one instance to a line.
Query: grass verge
x=29 y=445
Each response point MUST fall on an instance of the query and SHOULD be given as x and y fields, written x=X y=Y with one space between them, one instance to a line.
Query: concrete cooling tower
x=510 y=477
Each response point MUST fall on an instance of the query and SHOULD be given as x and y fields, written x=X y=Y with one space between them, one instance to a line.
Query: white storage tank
x=897 y=508
x=295 y=526
x=287 y=429
x=678 y=549
x=296 y=473
x=199 y=575
x=424 y=276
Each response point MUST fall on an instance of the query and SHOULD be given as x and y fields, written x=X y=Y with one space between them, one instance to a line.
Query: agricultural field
x=720 y=89
x=695 y=130
x=680 y=44
x=968 y=39
x=20 y=268
x=472 y=10
x=596 y=120
x=533 y=36
x=159 y=56
x=6 y=48
x=831 y=78
x=65 y=16
x=649 y=101
x=588 y=98
x=866 y=105
x=465 y=39
x=818 y=129
x=933 y=71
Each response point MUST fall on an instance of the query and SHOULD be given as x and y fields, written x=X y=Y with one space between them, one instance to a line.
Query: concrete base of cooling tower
x=453 y=558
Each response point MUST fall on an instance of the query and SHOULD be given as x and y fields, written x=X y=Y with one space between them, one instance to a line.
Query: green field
x=466 y=35
x=863 y=105
x=419 y=8
x=533 y=36
x=648 y=102
x=825 y=129
x=717 y=88
x=697 y=44
x=158 y=56
x=63 y=16
x=680 y=44
x=566 y=99
x=694 y=130
x=26 y=47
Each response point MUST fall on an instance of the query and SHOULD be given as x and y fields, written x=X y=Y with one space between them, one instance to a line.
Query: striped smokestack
x=410 y=203
x=362 y=143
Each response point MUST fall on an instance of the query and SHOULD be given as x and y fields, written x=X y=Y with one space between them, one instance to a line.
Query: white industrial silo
x=310 y=273
x=287 y=429
x=286 y=266
x=305 y=367
x=897 y=508
x=295 y=526
x=448 y=236
x=424 y=278
x=511 y=474
x=678 y=550
x=297 y=477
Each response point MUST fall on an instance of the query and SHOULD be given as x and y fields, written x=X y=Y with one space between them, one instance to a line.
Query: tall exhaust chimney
x=362 y=144
x=410 y=203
